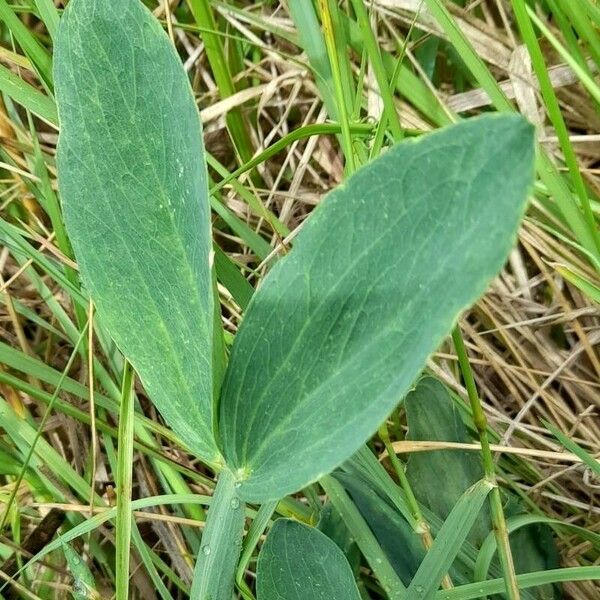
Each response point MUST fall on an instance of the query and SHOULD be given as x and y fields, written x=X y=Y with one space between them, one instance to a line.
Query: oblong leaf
x=341 y=326
x=133 y=184
x=298 y=562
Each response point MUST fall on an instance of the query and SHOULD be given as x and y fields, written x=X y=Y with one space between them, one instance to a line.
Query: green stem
x=422 y=526
x=307 y=131
x=221 y=543
x=124 y=483
x=480 y=422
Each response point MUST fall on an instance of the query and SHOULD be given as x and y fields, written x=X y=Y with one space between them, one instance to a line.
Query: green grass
x=340 y=54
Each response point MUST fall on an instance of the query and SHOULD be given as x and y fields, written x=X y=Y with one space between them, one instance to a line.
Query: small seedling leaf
x=298 y=562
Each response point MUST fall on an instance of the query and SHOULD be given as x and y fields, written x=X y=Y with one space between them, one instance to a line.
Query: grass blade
x=475 y=591
x=448 y=541
x=26 y=95
x=364 y=538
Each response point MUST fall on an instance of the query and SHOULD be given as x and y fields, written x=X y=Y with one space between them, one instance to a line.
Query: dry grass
x=533 y=338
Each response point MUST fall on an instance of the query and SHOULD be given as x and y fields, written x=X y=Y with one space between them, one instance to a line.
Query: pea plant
x=340 y=328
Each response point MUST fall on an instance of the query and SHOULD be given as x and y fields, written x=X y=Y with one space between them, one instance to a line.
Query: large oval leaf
x=133 y=183
x=298 y=562
x=341 y=327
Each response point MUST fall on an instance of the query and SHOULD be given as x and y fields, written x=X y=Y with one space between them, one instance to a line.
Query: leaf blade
x=135 y=200
x=298 y=562
x=314 y=353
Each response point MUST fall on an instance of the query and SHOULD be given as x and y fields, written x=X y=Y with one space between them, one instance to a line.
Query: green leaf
x=448 y=542
x=134 y=189
x=341 y=327
x=298 y=562
x=432 y=416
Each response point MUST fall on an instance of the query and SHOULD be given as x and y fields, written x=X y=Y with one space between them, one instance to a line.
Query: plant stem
x=422 y=526
x=124 y=483
x=221 y=543
x=480 y=422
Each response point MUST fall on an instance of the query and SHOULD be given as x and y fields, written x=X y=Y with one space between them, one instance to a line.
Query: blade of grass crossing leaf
x=481 y=425
x=448 y=541
x=365 y=465
x=489 y=547
x=422 y=528
x=124 y=484
x=221 y=543
x=257 y=528
x=366 y=541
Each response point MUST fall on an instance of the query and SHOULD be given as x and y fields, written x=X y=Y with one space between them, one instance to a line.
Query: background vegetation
x=291 y=93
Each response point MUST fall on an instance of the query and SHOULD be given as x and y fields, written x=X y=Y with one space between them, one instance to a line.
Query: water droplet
x=235 y=503
x=206 y=550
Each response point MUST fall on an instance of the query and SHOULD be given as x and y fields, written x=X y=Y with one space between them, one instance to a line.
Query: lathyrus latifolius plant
x=339 y=329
